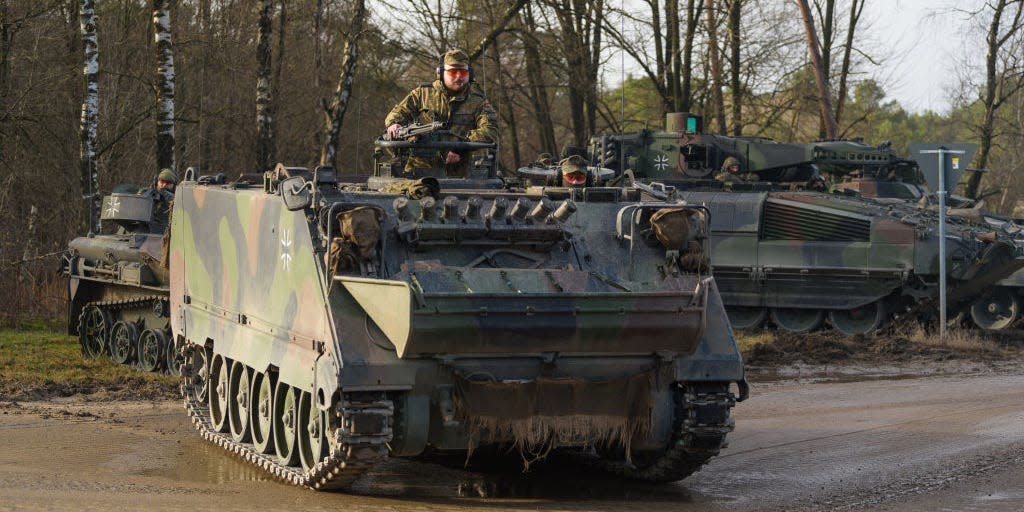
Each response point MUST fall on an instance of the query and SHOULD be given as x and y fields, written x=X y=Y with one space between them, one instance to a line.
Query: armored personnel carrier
x=328 y=325
x=785 y=251
x=118 y=285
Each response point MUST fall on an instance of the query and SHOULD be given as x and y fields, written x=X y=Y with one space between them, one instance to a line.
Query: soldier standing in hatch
x=451 y=99
x=163 y=196
x=730 y=172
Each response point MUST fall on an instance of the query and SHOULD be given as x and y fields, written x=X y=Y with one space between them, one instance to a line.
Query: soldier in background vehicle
x=163 y=196
x=453 y=100
x=166 y=180
x=730 y=172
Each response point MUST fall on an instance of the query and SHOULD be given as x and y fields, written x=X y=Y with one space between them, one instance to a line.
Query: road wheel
x=239 y=396
x=152 y=346
x=261 y=412
x=285 y=418
x=859 y=320
x=797 y=320
x=744 y=317
x=123 y=338
x=312 y=443
x=93 y=329
x=218 y=391
x=997 y=310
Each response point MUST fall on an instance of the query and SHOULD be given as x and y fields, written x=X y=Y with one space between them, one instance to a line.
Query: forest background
x=261 y=81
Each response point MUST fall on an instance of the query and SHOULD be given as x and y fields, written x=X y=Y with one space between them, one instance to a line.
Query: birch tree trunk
x=90 y=108
x=716 y=68
x=264 y=112
x=336 y=112
x=165 y=85
x=825 y=95
x=735 y=66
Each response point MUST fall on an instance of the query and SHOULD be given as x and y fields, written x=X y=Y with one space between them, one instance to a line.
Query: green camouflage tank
x=326 y=326
x=118 y=285
x=783 y=248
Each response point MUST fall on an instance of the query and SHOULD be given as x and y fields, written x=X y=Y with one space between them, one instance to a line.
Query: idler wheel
x=261 y=412
x=123 y=337
x=797 y=320
x=93 y=329
x=859 y=320
x=171 y=361
x=219 y=393
x=239 y=396
x=198 y=375
x=997 y=310
x=285 y=417
x=312 y=442
x=152 y=347
x=744 y=317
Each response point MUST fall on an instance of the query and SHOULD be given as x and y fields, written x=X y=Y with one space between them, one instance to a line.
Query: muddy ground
x=866 y=428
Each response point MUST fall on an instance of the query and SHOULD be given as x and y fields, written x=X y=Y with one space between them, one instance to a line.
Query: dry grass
x=746 y=339
x=956 y=338
x=37 y=363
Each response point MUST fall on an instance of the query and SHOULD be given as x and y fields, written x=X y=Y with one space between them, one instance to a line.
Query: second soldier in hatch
x=453 y=100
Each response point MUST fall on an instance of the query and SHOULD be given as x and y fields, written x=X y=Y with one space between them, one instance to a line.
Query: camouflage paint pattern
x=475 y=283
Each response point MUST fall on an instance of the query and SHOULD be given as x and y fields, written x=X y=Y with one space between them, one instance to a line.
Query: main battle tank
x=782 y=250
x=326 y=326
x=118 y=285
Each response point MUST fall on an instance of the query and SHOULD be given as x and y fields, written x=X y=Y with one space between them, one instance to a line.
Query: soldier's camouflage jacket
x=467 y=114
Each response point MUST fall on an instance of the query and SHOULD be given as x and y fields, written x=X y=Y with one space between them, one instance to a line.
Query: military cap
x=456 y=57
x=167 y=175
x=574 y=163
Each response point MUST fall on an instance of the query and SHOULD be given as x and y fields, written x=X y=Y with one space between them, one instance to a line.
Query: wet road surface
x=935 y=443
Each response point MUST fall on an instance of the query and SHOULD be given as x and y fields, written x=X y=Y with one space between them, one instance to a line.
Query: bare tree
x=165 y=84
x=856 y=8
x=735 y=66
x=536 y=76
x=581 y=23
x=336 y=112
x=90 y=108
x=1004 y=76
x=264 y=107
x=820 y=76
x=686 y=73
x=717 y=100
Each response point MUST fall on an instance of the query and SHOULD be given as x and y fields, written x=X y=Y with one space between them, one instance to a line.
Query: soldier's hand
x=393 y=130
x=453 y=158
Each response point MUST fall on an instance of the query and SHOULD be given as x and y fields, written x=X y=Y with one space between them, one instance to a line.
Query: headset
x=440 y=70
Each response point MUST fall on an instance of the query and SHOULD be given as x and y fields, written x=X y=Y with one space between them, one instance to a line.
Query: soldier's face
x=165 y=184
x=456 y=78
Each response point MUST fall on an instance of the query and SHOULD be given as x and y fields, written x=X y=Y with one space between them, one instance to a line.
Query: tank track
x=112 y=306
x=701 y=424
x=349 y=455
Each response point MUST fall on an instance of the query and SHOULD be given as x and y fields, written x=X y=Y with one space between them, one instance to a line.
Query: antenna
x=622 y=87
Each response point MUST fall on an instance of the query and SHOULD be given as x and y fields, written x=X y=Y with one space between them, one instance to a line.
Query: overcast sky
x=928 y=41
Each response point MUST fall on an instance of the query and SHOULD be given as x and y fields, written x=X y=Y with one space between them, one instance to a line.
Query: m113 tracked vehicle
x=118 y=285
x=326 y=326
x=784 y=251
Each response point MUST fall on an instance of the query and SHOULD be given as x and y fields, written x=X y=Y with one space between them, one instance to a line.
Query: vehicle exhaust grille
x=791 y=220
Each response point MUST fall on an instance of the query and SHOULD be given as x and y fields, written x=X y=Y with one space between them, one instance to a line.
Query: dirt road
x=934 y=443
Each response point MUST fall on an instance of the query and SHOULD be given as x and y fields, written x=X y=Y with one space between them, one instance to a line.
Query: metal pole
x=942 y=193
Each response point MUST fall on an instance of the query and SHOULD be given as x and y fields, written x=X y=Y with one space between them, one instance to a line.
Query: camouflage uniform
x=163 y=199
x=726 y=176
x=467 y=114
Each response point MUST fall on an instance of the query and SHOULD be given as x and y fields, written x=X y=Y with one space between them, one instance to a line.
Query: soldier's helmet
x=574 y=171
x=455 y=58
x=729 y=162
x=167 y=175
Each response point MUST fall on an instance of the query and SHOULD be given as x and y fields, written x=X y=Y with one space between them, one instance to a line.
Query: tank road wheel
x=239 y=395
x=152 y=345
x=997 y=310
x=171 y=362
x=123 y=337
x=744 y=317
x=93 y=328
x=859 y=320
x=797 y=319
x=261 y=412
x=198 y=374
x=312 y=443
x=218 y=393
x=285 y=418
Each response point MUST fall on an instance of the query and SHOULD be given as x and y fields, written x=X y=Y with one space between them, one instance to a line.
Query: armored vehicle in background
x=328 y=325
x=118 y=285
x=784 y=251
